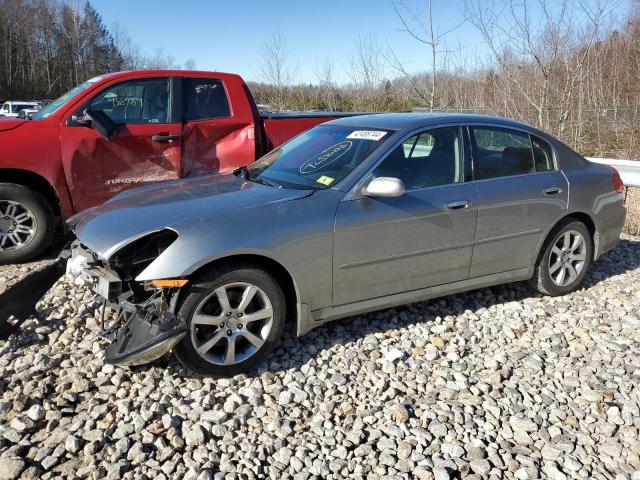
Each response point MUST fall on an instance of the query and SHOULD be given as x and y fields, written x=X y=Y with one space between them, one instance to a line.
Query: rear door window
x=501 y=152
x=204 y=98
x=542 y=154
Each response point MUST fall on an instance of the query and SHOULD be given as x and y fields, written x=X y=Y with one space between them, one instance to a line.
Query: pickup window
x=205 y=98
x=141 y=101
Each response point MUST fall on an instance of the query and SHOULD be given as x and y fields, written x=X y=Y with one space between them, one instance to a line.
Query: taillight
x=618 y=184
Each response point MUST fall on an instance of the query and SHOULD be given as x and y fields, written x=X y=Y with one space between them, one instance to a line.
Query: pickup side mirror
x=101 y=122
x=385 y=187
x=81 y=120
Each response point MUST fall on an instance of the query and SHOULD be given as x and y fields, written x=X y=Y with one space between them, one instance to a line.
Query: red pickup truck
x=123 y=130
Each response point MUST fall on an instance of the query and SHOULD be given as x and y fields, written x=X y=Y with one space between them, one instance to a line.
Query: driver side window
x=429 y=159
x=144 y=101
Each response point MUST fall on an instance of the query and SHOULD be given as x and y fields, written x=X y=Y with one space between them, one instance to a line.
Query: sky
x=229 y=36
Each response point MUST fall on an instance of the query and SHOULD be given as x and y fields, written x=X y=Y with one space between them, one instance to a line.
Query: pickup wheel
x=234 y=316
x=26 y=223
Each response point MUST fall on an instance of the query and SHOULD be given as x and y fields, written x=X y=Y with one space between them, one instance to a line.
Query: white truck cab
x=13 y=108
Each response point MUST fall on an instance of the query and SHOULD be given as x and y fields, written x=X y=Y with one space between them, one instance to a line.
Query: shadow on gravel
x=617 y=261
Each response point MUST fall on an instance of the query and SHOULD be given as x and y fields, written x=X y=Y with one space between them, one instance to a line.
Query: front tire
x=234 y=316
x=26 y=223
x=564 y=260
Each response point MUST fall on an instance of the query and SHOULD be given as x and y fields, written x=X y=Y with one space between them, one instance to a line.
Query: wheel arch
x=273 y=267
x=581 y=216
x=35 y=182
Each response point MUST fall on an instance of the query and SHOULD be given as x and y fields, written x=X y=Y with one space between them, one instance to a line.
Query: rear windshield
x=318 y=158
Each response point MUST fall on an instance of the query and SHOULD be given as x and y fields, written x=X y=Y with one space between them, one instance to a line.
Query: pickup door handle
x=458 y=205
x=162 y=138
x=552 y=191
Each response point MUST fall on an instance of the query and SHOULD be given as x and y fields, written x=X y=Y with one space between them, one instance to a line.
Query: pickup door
x=168 y=128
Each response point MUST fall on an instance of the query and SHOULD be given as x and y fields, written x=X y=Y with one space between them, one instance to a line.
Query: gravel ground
x=495 y=383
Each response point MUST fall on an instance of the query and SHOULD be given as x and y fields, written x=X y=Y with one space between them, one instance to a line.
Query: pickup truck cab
x=13 y=108
x=122 y=130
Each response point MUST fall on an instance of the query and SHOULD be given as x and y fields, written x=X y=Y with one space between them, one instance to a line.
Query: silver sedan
x=358 y=214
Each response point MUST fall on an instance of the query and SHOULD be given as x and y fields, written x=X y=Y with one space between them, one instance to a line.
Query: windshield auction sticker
x=324 y=180
x=326 y=157
x=374 y=135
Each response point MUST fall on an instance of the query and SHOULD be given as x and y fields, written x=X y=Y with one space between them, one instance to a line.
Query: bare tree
x=190 y=64
x=276 y=70
x=422 y=30
x=327 y=83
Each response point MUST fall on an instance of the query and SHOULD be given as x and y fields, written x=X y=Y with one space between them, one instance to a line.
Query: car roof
x=410 y=121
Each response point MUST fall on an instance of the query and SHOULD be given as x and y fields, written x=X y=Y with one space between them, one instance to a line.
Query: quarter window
x=144 y=101
x=428 y=159
x=205 y=98
x=501 y=152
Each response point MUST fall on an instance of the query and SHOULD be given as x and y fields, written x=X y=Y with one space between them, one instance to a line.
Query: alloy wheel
x=568 y=257
x=232 y=323
x=17 y=225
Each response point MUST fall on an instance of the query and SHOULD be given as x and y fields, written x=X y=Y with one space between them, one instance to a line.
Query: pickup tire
x=234 y=314
x=26 y=223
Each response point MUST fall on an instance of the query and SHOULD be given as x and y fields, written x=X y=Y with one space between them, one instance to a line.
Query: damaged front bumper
x=145 y=328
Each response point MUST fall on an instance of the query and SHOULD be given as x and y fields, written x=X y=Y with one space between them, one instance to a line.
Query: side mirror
x=385 y=187
x=81 y=120
x=102 y=123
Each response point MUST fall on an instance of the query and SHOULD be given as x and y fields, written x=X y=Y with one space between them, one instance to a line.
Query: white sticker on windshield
x=374 y=135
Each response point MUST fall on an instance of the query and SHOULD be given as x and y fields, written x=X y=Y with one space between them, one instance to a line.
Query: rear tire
x=218 y=319
x=564 y=259
x=26 y=223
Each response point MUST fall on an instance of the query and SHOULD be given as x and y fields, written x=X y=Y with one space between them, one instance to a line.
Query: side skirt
x=309 y=320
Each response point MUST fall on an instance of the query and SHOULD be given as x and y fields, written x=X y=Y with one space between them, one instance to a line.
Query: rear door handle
x=162 y=138
x=552 y=191
x=458 y=205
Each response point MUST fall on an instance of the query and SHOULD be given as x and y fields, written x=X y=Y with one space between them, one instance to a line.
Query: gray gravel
x=495 y=383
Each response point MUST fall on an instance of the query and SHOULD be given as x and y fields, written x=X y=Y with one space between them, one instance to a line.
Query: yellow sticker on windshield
x=324 y=180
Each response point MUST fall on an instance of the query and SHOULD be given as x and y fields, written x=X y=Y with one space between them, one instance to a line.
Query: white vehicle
x=13 y=108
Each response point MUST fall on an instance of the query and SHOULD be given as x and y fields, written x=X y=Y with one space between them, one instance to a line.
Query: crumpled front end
x=146 y=327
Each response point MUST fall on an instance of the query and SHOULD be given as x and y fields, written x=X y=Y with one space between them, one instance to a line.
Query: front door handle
x=458 y=205
x=552 y=191
x=164 y=138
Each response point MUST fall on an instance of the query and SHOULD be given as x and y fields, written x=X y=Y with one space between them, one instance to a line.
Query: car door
x=422 y=238
x=4 y=111
x=520 y=194
x=215 y=138
x=145 y=149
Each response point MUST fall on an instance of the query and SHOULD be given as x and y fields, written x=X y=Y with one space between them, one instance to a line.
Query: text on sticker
x=374 y=135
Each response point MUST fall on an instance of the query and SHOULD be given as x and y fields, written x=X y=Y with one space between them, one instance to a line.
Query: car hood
x=10 y=123
x=171 y=205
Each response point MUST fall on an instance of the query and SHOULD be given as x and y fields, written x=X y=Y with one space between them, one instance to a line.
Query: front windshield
x=56 y=104
x=318 y=158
